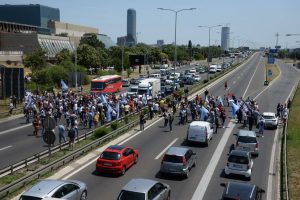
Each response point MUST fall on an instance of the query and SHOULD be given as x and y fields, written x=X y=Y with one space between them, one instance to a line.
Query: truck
x=149 y=87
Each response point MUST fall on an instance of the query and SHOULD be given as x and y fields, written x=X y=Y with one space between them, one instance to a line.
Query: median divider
x=36 y=174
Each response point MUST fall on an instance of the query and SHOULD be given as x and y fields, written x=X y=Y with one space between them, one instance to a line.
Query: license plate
x=172 y=170
x=246 y=148
x=237 y=166
x=107 y=164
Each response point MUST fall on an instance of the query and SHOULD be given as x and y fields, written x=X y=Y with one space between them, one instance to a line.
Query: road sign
x=271 y=59
x=49 y=137
x=49 y=123
x=270 y=72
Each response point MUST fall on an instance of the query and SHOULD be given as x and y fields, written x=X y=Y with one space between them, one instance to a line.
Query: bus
x=106 y=84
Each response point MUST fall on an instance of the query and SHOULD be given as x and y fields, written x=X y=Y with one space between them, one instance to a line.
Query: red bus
x=106 y=84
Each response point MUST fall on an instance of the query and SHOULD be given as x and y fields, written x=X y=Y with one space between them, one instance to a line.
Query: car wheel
x=169 y=196
x=83 y=195
x=207 y=142
x=194 y=165
x=123 y=170
x=136 y=159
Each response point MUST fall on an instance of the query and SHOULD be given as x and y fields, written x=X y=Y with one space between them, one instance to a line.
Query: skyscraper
x=225 y=38
x=131 y=27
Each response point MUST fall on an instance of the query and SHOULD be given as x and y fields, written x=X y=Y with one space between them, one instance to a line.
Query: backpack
x=71 y=133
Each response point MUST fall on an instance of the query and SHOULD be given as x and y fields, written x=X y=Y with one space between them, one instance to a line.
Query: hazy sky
x=250 y=20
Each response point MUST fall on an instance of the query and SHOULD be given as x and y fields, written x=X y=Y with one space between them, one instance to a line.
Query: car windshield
x=268 y=117
x=238 y=159
x=29 y=198
x=129 y=195
x=110 y=156
x=173 y=158
x=246 y=139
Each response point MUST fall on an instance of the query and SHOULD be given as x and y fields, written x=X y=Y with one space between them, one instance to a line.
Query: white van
x=213 y=69
x=199 y=131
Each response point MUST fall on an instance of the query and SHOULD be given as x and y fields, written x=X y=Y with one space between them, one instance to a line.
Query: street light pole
x=175 y=48
x=208 y=54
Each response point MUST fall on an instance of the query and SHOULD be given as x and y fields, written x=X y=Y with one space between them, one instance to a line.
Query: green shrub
x=211 y=78
x=205 y=81
x=145 y=111
x=126 y=119
x=100 y=132
x=114 y=125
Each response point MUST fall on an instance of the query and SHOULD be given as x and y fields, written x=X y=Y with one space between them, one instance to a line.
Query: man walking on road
x=35 y=124
x=171 y=119
x=61 y=133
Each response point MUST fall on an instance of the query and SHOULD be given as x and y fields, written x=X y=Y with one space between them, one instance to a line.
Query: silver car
x=145 y=189
x=60 y=189
x=247 y=141
x=178 y=160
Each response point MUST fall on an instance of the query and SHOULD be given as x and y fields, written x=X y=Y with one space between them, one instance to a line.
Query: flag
x=204 y=113
x=103 y=99
x=108 y=113
x=144 y=99
x=124 y=100
x=234 y=109
x=245 y=107
x=63 y=85
x=118 y=109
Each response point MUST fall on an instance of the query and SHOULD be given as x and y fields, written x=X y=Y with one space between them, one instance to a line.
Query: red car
x=117 y=159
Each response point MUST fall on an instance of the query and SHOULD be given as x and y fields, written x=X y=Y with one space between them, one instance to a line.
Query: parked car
x=213 y=69
x=197 y=77
x=247 y=141
x=60 y=189
x=178 y=160
x=201 y=70
x=219 y=68
x=134 y=81
x=243 y=191
x=125 y=83
x=117 y=159
x=270 y=120
x=144 y=189
x=240 y=163
x=199 y=131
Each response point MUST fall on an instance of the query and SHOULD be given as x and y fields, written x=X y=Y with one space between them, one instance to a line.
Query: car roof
x=179 y=151
x=239 y=190
x=44 y=187
x=269 y=114
x=115 y=148
x=247 y=133
x=199 y=123
x=239 y=153
x=139 y=185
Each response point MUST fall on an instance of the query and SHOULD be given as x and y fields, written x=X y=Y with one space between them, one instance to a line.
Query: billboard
x=136 y=60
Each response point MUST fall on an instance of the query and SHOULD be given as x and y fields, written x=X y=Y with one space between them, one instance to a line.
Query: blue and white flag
x=144 y=99
x=245 y=107
x=108 y=113
x=63 y=85
x=204 y=113
x=234 y=109
x=118 y=109
x=103 y=99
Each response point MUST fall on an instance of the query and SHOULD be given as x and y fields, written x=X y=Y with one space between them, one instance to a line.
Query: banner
x=63 y=86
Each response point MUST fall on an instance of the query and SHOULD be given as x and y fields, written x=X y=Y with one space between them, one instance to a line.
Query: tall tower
x=225 y=38
x=131 y=27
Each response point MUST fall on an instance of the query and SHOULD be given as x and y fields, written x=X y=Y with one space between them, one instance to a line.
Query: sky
x=252 y=22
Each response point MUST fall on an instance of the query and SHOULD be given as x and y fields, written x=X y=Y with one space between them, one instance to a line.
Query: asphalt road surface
x=204 y=180
x=17 y=141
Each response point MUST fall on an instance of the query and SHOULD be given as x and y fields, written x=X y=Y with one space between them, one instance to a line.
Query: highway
x=204 y=180
x=17 y=141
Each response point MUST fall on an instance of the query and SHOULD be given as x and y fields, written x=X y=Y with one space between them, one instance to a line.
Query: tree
x=190 y=49
x=36 y=60
x=92 y=40
x=63 y=55
x=88 y=56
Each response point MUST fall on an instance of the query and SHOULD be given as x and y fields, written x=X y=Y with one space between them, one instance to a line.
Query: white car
x=197 y=77
x=219 y=68
x=270 y=120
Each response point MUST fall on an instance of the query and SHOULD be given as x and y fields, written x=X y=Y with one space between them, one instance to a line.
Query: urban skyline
x=247 y=20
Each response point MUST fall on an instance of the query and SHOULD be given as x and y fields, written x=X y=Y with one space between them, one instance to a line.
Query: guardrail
x=7 y=189
x=15 y=111
x=285 y=187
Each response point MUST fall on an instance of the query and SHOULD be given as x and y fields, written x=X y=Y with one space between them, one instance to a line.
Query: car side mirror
x=262 y=191
x=223 y=184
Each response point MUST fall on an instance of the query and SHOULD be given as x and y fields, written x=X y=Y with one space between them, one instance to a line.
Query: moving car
x=117 y=159
x=144 y=189
x=60 y=189
x=178 y=160
x=199 y=131
x=243 y=191
x=247 y=141
x=270 y=120
x=240 y=163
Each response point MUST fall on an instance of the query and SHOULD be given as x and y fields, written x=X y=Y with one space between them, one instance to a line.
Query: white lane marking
x=14 y=129
x=251 y=78
x=165 y=149
x=5 y=148
x=207 y=175
x=272 y=164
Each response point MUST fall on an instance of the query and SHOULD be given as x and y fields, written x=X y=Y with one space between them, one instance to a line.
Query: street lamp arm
x=176 y=11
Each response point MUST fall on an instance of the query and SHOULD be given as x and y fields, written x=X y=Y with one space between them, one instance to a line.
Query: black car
x=239 y=190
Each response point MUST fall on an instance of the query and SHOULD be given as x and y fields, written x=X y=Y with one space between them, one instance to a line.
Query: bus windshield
x=97 y=85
